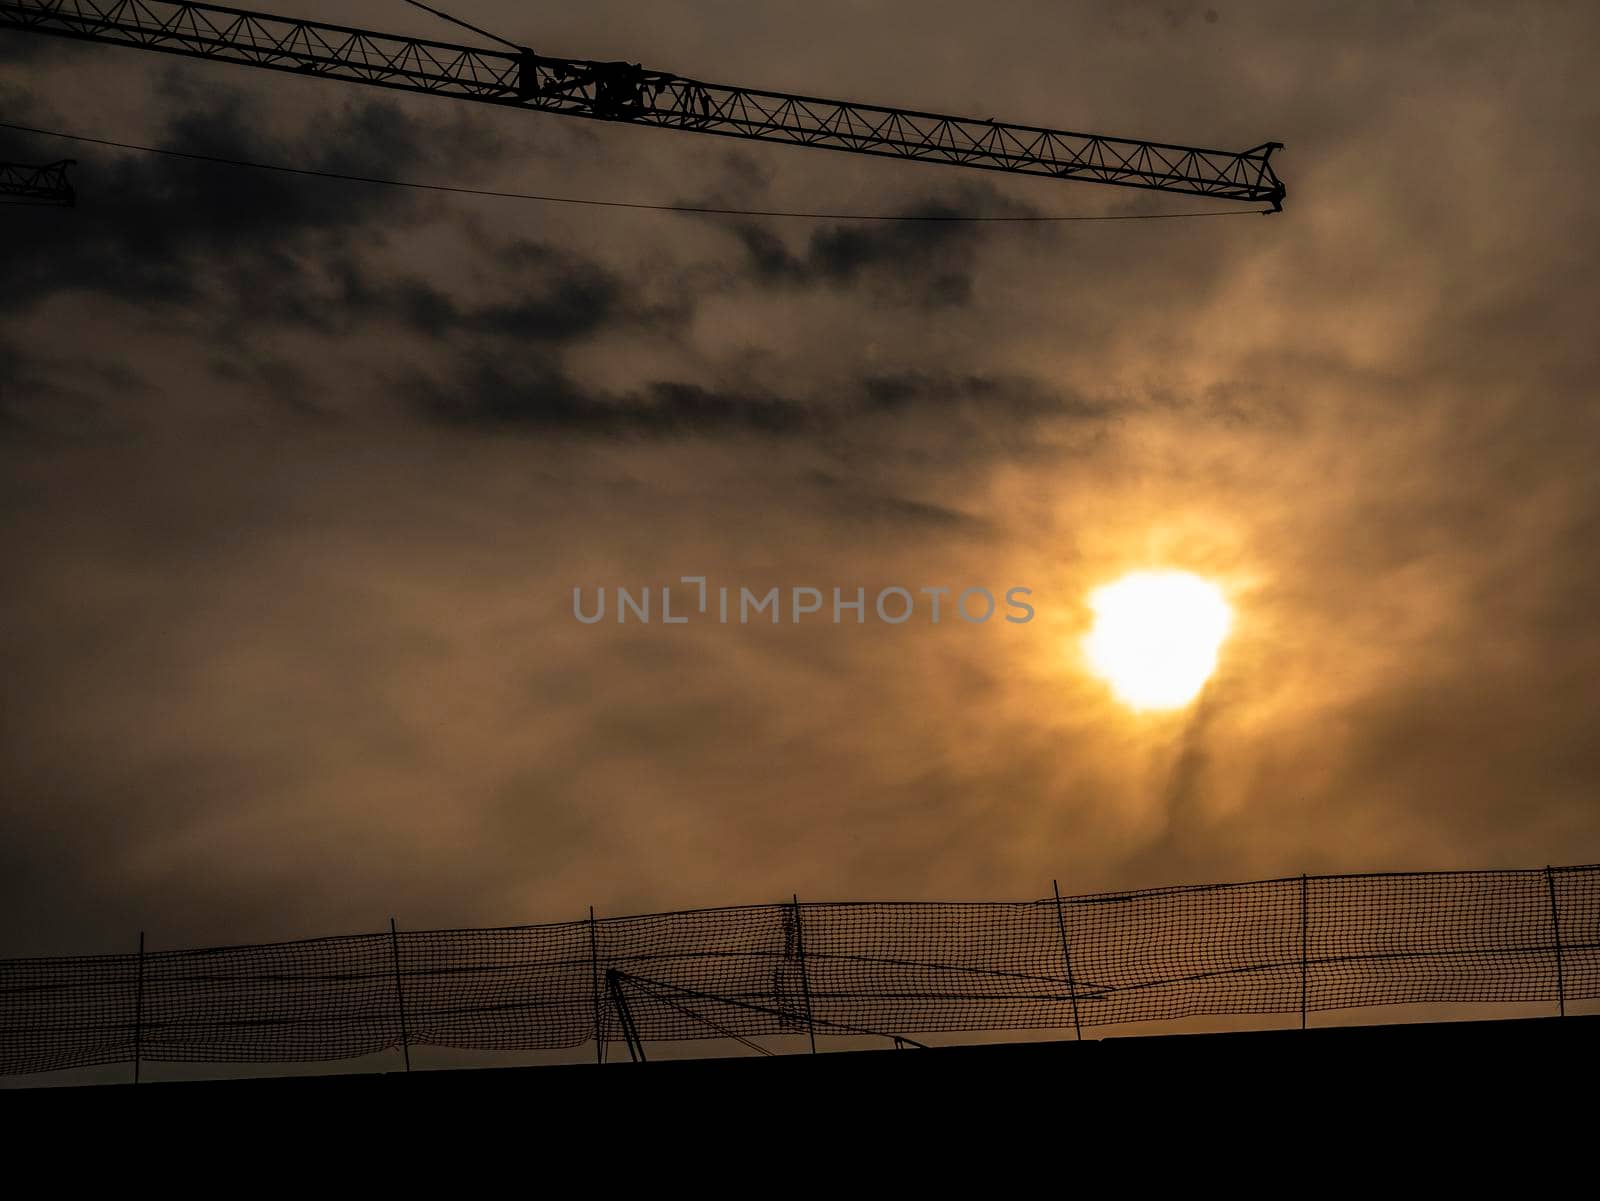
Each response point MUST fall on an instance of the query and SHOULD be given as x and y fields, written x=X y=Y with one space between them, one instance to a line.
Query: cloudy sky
x=299 y=475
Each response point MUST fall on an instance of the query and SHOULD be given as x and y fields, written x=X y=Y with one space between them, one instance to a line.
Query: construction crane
x=21 y=183
x=627 y=92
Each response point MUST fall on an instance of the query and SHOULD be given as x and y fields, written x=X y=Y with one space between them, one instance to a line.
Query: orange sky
x=299 y=476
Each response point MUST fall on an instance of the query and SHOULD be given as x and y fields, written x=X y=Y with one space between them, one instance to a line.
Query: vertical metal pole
x=630 y=1028
x=1066 y=956
x=594 y=982
x=138 y=1013
x=1555 y=925
x=805 y=978
x=1303 y=925
x=400 y=993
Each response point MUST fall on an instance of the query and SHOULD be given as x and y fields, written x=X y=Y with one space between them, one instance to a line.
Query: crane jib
x=27 y=183
x=629 y=92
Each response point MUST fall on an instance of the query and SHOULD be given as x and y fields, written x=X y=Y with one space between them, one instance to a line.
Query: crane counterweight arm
x=626 y=92
x=22 y=183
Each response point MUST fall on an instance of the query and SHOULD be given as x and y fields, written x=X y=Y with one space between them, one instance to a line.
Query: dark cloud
x=999 y=398
x=16 y=47
x=157 y=231
x=48 y=398
x=850 y=498
x=286 y=382
x=919 y=263
x=536 y=395
x=529 y=390
x=559 y=296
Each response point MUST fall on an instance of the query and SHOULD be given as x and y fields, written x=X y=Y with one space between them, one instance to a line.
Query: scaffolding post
x=138 y=1013
x=1066 y=956
x=1555 y=925
x=594 y=985
x=805 y=977
x=400 y=993
x=630 y=1029
x=1304 y=923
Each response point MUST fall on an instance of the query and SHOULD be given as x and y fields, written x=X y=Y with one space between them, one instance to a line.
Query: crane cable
x=620 y=204
x=465 y=25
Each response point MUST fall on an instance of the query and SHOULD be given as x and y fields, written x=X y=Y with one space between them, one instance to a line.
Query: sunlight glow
x=1156 y=636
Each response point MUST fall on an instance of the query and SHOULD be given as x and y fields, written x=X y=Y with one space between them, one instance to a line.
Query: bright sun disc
x=1156 y=636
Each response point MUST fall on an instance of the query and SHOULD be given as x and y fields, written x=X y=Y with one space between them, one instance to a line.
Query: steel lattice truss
x=626 y=92
x=46 y=185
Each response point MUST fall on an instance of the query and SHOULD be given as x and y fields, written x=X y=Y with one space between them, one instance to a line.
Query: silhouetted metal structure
x=627 y=92
x=1303 y=944
x=22 y=183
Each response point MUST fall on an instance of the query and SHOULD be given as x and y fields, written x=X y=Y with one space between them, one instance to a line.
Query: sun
x=1156 y=636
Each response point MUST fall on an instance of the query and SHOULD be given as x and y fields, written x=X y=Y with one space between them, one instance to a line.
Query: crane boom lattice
x=25 y=183
x=629 y=93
